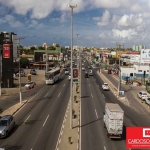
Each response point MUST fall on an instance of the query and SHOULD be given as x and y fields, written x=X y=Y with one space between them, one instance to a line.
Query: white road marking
x=103 y=96
x=46 y=94
x=26 y=119
x=64 y=85
x=59 y=94
x=96 y=113
x=91 y=95
x=45 y=121
x=89 y=85
x=53 y=86
x=104 y=148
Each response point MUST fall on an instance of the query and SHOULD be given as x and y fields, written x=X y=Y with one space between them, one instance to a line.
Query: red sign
x=138 y=137
x=6 y=50
x=75 y=73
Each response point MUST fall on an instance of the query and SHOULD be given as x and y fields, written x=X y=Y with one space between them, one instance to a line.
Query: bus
x=52 y=76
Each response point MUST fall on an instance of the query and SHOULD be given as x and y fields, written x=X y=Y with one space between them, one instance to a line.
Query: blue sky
x=99 y=23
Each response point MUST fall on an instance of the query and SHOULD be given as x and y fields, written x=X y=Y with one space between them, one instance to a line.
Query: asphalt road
x=93 y=133
x=38 y=123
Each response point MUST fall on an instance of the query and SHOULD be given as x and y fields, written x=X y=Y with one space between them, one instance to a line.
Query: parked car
x=14 y=77
x=142 y=94
x=147 y=100
x=30 y=85
x=7 y=123
x=22 y=74
x=105 y=86
x=33 y=72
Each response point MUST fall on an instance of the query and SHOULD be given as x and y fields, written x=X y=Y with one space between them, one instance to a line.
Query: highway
x=93 y=99
x=38 y=123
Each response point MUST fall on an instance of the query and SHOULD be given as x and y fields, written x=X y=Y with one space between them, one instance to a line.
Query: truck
x=113 y=120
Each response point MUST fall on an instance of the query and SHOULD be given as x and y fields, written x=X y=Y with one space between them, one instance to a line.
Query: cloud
x=136 y=8
x=130 y=21
x=124 y=33
x=63 y=18
x=104 y=19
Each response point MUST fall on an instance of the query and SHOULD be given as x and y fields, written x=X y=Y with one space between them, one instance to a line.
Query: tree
x=24 y=62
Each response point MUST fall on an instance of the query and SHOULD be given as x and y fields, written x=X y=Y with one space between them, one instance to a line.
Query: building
x=8 y=47
x=138 y=47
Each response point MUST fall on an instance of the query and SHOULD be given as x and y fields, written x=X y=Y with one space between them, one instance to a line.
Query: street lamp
x=20 y=90
x=70 y=6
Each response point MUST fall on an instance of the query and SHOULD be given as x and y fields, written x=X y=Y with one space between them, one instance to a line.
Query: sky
x=96 y=23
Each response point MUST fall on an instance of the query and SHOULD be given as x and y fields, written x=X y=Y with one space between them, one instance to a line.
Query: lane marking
x=89 y=85
x=26 y=119
x=64 y=85
x=59 y=94
x=96 y=113
x=91 y=95
x=104 y=148
x=103 y=95
x=45 y=121
x=53 y=86
x=46 y=94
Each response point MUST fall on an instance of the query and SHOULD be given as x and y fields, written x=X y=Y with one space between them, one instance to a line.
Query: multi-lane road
x=39 y=122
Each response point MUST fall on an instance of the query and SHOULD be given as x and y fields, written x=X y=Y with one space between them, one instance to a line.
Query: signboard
x=138 y=137
x=75 y=75
x=145 y=56
x=6 y=50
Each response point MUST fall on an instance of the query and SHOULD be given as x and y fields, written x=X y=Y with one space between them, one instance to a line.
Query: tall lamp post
x=20 y=90
x=70 y=6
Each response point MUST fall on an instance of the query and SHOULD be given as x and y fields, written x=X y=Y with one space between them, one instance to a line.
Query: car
x=69 y=77
x=83 y=68
x=90 y=73
x=66 y=72
x=142 y=94
x=144 y=97
x=105 y=86
x=33 y=72
x=14 y=77
x=86 y=75
x=22 y=74
x=147 y=100
x=30 y=85
x=7 y=123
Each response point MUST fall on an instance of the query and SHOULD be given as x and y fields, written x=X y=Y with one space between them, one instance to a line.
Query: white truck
x=113 y=120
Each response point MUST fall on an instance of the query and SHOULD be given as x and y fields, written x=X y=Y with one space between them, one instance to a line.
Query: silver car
x=7 y=123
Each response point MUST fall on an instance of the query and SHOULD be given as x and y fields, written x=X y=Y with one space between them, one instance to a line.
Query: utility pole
x=119 y=46
x=20 y=90
x=78 y=47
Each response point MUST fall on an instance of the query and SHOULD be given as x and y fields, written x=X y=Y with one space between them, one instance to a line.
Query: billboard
x=145 y=56
x=6 y=50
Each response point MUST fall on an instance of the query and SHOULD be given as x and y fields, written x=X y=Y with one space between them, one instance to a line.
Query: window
x=139 y=70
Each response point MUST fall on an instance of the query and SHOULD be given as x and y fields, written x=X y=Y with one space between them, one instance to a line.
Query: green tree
x=24 y=62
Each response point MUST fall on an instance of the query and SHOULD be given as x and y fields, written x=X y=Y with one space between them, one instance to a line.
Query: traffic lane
x=90 y=139
x=26 y=132
x=100 y=102
x=51 y=129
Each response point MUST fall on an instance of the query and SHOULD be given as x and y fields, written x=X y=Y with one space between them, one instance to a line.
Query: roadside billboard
x=6 y=50
x=145 y=56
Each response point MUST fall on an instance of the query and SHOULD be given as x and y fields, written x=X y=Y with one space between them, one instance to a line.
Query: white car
x=147 y=100
x=90 y=73
x=69 y=77
x=142 y=94
x=30 y=85
x=66 y=72
x=83 y=68
x=105 y=86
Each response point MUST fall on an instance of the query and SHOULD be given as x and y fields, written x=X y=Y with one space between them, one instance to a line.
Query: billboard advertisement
x=145 y=56
x=6 y=50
